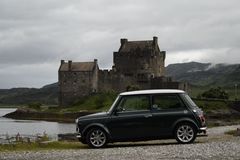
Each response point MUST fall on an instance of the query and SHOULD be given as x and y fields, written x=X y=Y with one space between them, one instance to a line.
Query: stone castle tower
x=76 y=79
x=141 y=59
x=137 y=63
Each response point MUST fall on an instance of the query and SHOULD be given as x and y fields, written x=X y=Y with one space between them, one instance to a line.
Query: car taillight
x=202 y=118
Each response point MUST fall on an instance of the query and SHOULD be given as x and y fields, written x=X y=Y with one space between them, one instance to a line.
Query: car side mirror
x=119 y=110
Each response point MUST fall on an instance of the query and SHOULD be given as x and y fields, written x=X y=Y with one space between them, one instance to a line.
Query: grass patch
x=235 y=132
x=97 y=102
x=8 y=106
x=94 y=103
x=41 y=146
x=194 y=90
x=211 y=105
x=231 y=132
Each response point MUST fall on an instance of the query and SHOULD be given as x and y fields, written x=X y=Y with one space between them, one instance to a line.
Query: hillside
x=45 y=95
x=197 y=74
x=205 y=74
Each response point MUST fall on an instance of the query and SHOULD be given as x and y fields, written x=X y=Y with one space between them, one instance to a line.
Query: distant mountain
x=45 y=95
x=205 y=74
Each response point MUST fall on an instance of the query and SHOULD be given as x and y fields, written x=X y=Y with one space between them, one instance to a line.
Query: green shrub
x=35 y=105
x=212 y=105
x=217 y=93
x=99 y=101
x=132 y=88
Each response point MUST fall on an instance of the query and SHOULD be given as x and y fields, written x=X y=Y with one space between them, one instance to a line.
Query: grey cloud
x=37 y=32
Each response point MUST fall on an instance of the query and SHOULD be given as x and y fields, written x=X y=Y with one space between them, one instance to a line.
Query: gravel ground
x=216 y=146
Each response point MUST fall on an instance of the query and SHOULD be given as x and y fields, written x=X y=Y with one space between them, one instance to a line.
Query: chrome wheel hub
x=185 y=133
x=97 y=138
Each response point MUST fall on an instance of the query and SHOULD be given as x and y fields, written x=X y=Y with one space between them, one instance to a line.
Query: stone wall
x=75 y=84
x=112 y=81
x=167 y=83
x=147 y=61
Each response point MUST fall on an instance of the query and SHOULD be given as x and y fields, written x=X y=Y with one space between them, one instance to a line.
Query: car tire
x=82 y=141
x=96 y=138
x=185 y=133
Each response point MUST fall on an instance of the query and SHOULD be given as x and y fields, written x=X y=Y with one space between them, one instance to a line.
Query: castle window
x=75 y=81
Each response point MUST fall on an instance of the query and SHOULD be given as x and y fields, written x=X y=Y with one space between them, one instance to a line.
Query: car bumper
x=79 y=135
x=203 y=130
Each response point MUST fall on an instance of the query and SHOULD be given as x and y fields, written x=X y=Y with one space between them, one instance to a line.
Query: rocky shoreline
x=220 y=118
x=67 y=117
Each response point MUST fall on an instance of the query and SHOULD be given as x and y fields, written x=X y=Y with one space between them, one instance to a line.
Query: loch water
x=32 y=127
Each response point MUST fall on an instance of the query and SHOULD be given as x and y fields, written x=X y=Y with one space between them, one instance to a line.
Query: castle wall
x=94 y=77
x=112 y=81
x=147 y=62
x=167 y=83
x=74 y=85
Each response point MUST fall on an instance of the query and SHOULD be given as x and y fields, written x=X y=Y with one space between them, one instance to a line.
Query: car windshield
x=114 y=103
x=189 y=100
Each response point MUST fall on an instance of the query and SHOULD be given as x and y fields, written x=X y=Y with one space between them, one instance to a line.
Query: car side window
x=167 y=102
x=133 y=103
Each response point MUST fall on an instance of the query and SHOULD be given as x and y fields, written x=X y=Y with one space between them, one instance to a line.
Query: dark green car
x=144 y=115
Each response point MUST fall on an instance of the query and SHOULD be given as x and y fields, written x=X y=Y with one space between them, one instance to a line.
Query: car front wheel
x=96 y=138
x=185 y=133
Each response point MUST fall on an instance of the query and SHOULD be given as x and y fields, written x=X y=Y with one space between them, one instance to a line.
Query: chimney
x=155 y=40
x=62 y=62
x=123 y=41
x=69 y=65
x=95 y=61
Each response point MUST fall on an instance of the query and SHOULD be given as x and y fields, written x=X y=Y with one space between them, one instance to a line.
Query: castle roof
x=78 y=66
x=136 y=46
x=133 y=45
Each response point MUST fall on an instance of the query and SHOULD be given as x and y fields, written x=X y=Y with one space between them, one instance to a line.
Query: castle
x=138 y=64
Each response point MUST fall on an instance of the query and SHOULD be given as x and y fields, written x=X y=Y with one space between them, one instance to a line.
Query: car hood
x=94 y=116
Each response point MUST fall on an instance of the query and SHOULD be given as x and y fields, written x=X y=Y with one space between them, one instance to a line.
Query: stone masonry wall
x=74 y=85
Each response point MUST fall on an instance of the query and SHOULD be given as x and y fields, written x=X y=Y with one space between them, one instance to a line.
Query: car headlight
x=76 y=120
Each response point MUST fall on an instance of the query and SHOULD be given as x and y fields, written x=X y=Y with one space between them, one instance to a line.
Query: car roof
x=152 y=91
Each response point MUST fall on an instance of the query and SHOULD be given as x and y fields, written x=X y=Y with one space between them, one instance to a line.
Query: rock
x=67 y=137
x=238 y=132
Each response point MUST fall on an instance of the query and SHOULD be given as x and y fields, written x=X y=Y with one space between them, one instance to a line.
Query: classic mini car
x=143 y=115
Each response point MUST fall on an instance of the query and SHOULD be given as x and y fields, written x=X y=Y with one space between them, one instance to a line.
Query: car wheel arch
x=96 y=125
x=185 y=120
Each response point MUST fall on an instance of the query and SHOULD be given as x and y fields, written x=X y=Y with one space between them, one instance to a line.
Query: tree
x=218 y=93
x=132 y=88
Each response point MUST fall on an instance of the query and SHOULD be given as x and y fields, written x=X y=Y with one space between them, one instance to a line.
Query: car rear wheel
x=96 y=138
x=185 y=133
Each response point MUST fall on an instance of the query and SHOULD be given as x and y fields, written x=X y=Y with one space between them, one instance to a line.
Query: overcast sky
x=36 y=34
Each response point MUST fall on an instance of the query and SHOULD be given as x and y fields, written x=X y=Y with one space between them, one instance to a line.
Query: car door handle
x=147 y=115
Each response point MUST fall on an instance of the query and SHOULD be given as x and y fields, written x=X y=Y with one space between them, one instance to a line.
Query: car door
x=131 y=118
x=166 y=110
